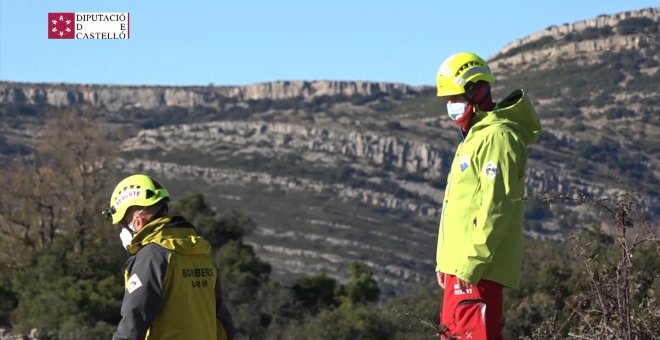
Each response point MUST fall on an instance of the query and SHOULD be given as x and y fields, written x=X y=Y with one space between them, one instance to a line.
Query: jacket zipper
x=446 y=202
x=442 y=221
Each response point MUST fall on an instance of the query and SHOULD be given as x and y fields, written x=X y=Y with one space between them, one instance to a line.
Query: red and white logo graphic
x=61 y=25
x=89 y=25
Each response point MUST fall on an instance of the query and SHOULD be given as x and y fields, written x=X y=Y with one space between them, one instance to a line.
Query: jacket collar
x=154 y=230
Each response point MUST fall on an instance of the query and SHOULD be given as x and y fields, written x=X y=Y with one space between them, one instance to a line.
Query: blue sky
x=248 y=41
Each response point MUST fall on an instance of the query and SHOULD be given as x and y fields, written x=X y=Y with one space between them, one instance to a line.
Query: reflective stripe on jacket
x=480 y=233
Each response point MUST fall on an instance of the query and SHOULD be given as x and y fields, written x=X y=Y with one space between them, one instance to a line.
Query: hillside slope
x=335 y=172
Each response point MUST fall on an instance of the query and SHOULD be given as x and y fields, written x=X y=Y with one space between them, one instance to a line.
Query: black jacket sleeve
x=143 y=295
x=222 y=313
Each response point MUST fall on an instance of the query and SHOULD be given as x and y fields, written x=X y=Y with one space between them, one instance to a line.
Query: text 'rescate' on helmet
x=136 y=190
x=458 y=70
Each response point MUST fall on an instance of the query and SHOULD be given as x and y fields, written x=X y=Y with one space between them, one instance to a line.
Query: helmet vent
x=150 y=194
x=467 y=65
x=156 y=184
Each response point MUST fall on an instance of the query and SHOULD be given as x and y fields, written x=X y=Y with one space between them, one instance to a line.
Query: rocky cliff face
x=115 y=98
x=380 y=150
x=559 y=32
x=603 y=21
x=326 y=147
x=306 y=245
x=613 y=44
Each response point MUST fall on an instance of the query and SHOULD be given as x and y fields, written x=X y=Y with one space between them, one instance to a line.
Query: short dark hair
x=152 y=212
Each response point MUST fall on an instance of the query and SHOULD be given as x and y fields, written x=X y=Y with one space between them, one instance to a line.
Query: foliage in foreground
x=569 y=290
x=56 y=255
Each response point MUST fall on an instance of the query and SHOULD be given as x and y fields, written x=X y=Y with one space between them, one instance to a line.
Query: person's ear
x=140 y=221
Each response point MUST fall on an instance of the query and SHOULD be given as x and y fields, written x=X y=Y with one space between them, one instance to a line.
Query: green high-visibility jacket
x=480 y=233
x=172 y=286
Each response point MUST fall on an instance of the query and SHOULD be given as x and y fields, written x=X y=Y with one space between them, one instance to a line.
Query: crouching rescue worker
x=480 y=234
x=172 y=289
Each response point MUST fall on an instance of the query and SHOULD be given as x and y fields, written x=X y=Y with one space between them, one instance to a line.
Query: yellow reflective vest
x=172 y=287
x=481 y=226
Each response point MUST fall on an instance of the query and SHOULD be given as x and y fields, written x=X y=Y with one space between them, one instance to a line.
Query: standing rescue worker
x=172 y=289
x=480 y=234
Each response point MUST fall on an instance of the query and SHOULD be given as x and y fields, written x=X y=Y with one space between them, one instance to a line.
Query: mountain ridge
x=153 y=97
x=558 y=31
x=115 y=97
x=337 y=172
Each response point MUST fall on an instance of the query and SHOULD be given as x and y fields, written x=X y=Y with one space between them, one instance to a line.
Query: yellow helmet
x=458 y=70
x=136 y=190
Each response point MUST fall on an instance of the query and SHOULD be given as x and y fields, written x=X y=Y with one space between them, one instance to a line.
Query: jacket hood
x=515 y=111
x=173 y=233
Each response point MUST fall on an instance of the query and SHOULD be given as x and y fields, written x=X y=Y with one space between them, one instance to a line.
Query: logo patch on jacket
x=465 y=163
x=133 y=283
x=490 y=170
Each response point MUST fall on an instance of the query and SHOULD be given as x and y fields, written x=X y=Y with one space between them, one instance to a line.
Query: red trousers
x=474 y=313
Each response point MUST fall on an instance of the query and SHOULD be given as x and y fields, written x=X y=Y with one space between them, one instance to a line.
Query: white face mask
x=126 y=237
x=455 y=110
x=126 y=234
